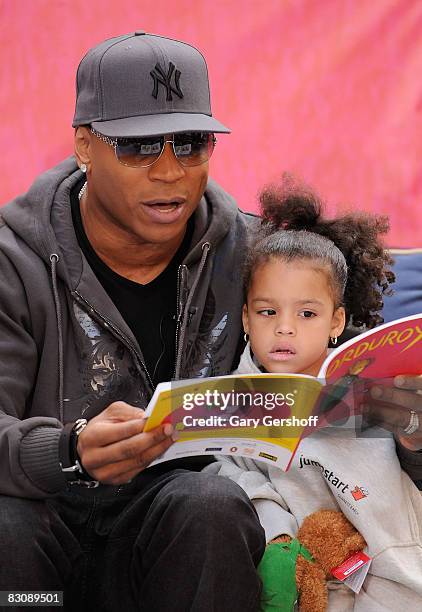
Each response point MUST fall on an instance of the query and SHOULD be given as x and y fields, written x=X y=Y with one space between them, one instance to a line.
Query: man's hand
x=391 y=406
x=113 y=447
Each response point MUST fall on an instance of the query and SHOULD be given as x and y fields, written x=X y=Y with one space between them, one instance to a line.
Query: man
x=118 y=272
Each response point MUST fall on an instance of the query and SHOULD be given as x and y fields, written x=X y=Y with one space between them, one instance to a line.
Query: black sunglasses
x=190 y=148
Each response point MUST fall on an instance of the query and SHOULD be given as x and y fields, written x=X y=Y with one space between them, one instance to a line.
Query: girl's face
x=290 y=315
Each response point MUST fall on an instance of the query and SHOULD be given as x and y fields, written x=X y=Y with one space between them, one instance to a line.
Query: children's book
x=264 y=416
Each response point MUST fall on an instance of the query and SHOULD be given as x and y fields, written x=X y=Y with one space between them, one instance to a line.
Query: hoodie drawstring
x=206 y=247
x=54 y=258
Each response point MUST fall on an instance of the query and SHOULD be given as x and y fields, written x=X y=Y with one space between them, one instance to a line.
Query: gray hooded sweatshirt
x=362 y=478
x=65 y=350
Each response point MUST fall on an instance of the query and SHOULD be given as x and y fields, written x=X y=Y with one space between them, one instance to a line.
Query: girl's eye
x=267 y=312
x=307 y=314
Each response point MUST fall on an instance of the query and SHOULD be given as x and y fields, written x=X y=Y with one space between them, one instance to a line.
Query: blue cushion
x=407 y=297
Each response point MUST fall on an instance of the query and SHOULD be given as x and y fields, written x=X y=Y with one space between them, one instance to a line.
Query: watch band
x=64 y=445
x=70 y=462
x=78 y=426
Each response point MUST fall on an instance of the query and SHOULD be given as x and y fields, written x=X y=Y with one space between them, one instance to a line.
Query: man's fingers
x=121 y=471
x=409 y=382
x=395 y=419
x=113 y=446
x=130 y=449
x=400 y=398
x=389 y=417
x=120 y=411
x=103 y=433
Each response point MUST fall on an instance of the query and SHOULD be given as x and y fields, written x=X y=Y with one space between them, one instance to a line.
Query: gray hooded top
x=66 y=352
x=327 y=472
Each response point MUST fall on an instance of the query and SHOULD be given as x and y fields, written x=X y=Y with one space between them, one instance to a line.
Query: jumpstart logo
x=328 y=474
x=359 y=493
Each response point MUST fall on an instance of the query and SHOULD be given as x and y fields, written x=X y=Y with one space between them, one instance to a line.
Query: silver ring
x=413 y=424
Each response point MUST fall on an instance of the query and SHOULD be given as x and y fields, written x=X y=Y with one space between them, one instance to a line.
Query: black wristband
x=65 y=456
x=74 y=455
x=68 y=455
x=73 y=443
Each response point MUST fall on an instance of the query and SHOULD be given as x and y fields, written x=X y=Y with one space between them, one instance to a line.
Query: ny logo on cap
x=160 y=76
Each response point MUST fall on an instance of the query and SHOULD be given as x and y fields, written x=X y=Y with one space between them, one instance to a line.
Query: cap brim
x=155 y=125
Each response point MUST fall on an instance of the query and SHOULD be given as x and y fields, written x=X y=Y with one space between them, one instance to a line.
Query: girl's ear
x=338 y=322
x=245 y=319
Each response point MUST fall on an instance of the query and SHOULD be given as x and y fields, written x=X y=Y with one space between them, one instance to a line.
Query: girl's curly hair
x=349 y=246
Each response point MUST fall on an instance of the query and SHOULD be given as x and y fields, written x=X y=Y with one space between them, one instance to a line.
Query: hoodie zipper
x=108 y=324
x=179 y=310
x=118 y=334
x=182 y=321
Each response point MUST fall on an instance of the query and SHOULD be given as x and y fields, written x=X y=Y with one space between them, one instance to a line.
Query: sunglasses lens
x=139 y=152
x=194 y=148
x=191 y=149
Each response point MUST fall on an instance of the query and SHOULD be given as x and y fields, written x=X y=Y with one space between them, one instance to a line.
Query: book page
x=260 y=416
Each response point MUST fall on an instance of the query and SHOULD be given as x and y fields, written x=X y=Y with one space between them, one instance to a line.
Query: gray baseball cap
x=141 y=84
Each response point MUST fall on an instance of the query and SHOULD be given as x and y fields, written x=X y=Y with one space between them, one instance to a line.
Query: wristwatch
x=70 y=462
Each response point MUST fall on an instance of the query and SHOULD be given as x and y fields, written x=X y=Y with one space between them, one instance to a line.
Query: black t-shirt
x=149 y=310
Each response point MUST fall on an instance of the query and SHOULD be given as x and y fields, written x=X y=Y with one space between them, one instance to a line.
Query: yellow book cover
x=261 y=416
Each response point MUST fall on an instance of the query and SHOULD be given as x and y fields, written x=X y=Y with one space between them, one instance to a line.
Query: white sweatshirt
x=362 y=478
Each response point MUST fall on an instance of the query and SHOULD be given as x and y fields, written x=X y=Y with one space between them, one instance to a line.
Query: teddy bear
x=296 y=570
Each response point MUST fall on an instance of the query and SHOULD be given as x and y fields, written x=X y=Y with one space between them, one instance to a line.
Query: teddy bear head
x=330 y=538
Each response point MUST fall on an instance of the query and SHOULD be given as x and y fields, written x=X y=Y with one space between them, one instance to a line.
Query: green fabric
x=277 y=570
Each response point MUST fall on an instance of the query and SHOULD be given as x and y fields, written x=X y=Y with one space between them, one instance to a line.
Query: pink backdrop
x=327 y=89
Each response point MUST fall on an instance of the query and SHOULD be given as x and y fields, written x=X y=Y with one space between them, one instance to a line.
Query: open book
x=264 y=416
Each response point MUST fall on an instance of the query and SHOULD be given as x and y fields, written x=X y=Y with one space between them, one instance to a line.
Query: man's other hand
x=391 y=406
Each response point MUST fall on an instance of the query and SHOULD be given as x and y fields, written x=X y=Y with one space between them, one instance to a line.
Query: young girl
x=306 y=278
